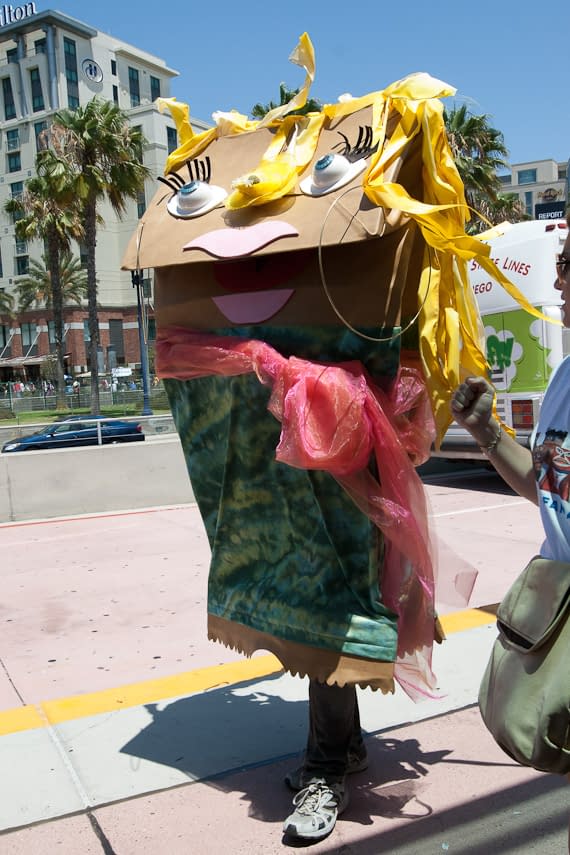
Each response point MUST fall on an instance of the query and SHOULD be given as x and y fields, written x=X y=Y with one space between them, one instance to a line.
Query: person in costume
x=313 y=317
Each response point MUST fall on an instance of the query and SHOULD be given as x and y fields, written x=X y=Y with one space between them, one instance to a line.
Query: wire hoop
x=337 y=312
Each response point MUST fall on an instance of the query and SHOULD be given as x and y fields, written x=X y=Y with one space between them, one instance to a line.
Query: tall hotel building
x=48 y=62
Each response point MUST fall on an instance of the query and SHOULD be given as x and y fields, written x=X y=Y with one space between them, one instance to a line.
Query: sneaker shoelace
x=309 y=800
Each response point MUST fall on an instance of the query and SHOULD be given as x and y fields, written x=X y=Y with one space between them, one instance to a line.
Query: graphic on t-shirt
x=552 y=464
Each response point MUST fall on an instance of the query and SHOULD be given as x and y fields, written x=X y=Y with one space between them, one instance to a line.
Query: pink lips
x=240 y=242
x=253 y=308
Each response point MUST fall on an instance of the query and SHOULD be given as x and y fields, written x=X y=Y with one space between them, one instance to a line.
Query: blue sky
x=507 y=60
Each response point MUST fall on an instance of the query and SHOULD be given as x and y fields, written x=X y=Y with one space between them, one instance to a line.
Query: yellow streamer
x=288 y=154
x=451 y=332
x=304 y=56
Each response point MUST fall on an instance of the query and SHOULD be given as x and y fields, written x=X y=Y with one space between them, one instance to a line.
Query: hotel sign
x=15 y=14
x=550 y=211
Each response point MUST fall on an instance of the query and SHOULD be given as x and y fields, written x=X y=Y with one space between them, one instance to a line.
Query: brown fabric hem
x=326 y=666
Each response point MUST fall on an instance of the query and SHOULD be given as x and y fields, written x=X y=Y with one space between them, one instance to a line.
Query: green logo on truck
x=516 y=348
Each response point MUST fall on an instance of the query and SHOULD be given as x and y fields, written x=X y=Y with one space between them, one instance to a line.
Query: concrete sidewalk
x=109 y=744
x=439 y=785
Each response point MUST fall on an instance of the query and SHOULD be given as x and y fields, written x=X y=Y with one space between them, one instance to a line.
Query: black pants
x=334 y=730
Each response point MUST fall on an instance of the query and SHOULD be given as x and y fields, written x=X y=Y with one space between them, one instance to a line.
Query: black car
x=77 y=431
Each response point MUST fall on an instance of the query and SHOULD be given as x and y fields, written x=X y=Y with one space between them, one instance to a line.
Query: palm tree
x=100 y=157
x=258 y=111
x=35 y=288
x=47 y=211
x=507 y=206
x=6 y=305
x=479 y=152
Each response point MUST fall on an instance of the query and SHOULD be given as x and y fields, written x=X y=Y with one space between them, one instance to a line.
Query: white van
x=521 y=350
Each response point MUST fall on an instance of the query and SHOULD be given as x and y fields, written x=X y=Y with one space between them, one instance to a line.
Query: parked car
x=77 y=431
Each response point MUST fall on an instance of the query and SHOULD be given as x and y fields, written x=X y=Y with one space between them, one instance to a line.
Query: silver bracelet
x=490 y=448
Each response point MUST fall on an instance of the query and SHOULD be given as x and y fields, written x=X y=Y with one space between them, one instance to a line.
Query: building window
x=154 y=88
x=71 y=73
x=22 y=265
x=134 y=87
x=171 y=139
x=14 y=162
x=40 y=45
x=526 y=176
x=1 y=269
x=116 y=339
x=37 y=94
x=13 y=140
x=21 y=247
x=16 y=190
x=29 y=338
x=9 y=104
x=116 y=94
x=12 y=55
x=51 y=334
x=4 y=339
x=505 y=179
x=114 y=67
x=86 y=333
x=528 y=202
x=141 y=204
x=562 y=173
x=41 y=141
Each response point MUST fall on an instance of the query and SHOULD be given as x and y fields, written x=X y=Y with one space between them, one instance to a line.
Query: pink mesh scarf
x=334 y=418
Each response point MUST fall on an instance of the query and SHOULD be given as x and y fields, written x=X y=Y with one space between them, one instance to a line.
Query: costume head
x=354 y=215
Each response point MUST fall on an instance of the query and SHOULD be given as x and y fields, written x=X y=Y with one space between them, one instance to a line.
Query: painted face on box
x=233 y=248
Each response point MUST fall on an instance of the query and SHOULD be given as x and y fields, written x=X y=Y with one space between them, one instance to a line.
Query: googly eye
x=195 y=199
x=330 y=172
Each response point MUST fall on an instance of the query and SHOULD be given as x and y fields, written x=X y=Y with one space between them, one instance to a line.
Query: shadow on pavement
x=222 y=730
x=229 y=737
x=464 y=475
x=532 y=817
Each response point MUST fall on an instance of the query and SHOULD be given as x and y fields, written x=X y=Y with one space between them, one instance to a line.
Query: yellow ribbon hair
x=450 y=330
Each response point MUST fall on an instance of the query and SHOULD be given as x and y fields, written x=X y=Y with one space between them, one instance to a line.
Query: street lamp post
x=136 y=278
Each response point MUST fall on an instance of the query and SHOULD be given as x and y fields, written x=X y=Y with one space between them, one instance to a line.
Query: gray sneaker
x=316 y=810
x=298 y=779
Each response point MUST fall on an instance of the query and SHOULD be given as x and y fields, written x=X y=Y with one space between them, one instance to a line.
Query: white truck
x=521 y=350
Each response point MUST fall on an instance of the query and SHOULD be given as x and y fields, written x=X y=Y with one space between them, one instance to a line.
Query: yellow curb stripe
x=468 y=619
x=153 y=691
x=201 y=680
x=21 y=718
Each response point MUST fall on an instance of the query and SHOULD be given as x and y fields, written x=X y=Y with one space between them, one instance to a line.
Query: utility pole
x=136 y=278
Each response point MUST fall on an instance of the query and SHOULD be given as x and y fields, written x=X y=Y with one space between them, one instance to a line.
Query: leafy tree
x=258 y=111
x=35 y=288
x=47 y=211
x=99 y=156
x=479 y=152
x=507 y=206
x=6 y=305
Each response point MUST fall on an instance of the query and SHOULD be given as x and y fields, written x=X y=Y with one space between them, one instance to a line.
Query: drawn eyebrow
x=198 y=170
x=363 y=145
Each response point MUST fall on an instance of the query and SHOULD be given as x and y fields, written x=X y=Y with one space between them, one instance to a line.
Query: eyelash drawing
x=198 y=170
x=363 y=147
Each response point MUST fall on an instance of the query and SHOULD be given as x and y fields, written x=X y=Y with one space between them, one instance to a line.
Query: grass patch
x=48 y=416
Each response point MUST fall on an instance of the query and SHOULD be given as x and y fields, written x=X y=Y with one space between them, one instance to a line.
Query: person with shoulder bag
x=525 y=693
